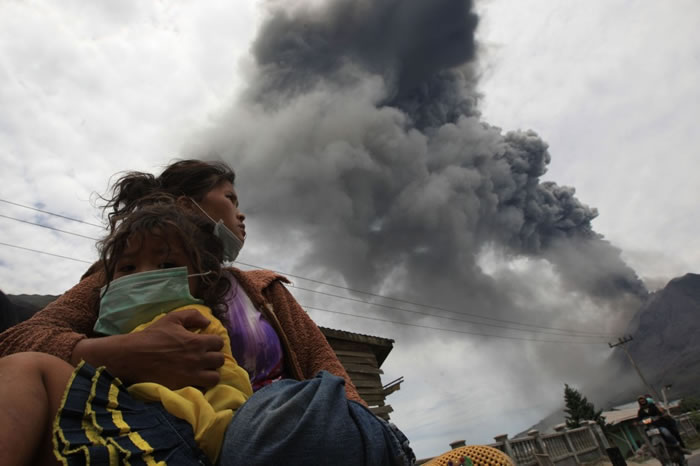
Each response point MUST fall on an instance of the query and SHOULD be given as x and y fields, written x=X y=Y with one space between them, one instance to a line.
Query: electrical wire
x=50 y=213
x=539 y=328
x=449 y=329
x=572 y=334
x=427 y=306
x=44 y=252
x=465 y=332
x=48 y=227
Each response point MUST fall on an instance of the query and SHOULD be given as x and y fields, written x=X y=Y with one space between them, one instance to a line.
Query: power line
x=353 y=315
x=44 y=252
x=572 y=334
x=544 y=329
x=50 y=213
x=494 y=319
x=448 y=329
x=47 y=227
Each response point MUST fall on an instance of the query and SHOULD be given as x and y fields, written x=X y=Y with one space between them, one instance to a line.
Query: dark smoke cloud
x=449 y=183
x=416 y=47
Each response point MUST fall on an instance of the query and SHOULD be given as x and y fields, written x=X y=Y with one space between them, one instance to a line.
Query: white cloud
x=93 y=89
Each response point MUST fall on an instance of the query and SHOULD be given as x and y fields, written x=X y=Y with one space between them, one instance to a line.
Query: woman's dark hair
x=160 y=215
x=191 y=178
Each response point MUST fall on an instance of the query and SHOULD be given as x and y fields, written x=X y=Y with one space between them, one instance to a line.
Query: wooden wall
x=359 y=355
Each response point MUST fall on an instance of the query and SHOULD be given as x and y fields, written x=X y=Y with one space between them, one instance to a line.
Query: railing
x=565 y=446
x=557 y=447
x=583 y=440
x=686 y=426
x=523 y=451
x=573 y=446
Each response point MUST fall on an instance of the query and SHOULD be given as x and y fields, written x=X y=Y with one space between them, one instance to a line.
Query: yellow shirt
x=208 y=412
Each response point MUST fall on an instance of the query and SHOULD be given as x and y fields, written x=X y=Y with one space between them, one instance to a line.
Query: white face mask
x=232 y=243
x=136 y=299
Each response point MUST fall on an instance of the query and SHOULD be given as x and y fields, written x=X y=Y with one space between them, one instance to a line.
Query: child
x=156 y=261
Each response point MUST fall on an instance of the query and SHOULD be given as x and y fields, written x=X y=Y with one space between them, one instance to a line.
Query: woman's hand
x=165 y=352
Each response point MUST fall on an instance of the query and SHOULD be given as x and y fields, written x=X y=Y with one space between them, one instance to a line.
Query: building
x=362 y=356
x=622 y=427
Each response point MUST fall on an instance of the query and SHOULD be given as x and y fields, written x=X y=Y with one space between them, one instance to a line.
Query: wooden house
x=362 y=356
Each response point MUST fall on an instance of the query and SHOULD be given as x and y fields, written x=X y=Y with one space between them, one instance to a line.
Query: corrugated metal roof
x=619 y=415
x=628 y=411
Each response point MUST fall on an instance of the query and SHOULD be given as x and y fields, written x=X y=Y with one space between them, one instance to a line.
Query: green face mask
x=136 y=299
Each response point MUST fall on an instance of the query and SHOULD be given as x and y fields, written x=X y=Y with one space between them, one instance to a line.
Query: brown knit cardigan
x=58 y=327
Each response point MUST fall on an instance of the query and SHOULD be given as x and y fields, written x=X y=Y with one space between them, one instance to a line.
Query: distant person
x=649 y=409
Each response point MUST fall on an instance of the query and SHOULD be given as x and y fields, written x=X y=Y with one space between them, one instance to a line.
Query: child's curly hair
x=161 y=216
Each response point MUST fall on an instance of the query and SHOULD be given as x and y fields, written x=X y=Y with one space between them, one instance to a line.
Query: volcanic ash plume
x=363 y=160
x=415 y=47
x=360 y=135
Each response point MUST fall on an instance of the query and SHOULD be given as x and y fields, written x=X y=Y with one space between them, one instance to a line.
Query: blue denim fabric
x=311 y=422
x=668 y=436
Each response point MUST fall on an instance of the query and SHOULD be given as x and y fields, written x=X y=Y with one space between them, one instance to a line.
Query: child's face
x=152 y=251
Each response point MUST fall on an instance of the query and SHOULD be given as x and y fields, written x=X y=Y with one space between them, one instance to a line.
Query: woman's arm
x=312 y=351
x=166 y=353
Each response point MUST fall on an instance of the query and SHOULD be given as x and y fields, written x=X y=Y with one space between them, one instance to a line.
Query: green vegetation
x=693 y=443
x=578 y=409
x=695 y=419
x=690 y=403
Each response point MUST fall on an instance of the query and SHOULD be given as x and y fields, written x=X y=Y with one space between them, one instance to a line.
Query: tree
x=690 y=403
x=578 y=409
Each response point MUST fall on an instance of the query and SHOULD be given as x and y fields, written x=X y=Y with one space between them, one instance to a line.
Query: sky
x=348 y=177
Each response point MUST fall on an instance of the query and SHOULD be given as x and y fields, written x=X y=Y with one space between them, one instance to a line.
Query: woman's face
x=221 y=203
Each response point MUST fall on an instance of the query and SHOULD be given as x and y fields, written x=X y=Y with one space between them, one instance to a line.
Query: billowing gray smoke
x=362 y=157
x=359 y=131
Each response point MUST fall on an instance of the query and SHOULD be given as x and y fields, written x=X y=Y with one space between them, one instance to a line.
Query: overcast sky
x=91 y=89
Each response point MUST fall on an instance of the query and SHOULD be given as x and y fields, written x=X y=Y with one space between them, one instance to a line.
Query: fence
x=568 y=447
x=686 y=426
x=564 y=447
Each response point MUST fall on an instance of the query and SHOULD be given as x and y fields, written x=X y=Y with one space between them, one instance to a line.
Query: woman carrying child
x=296 y=423
x=294 y=346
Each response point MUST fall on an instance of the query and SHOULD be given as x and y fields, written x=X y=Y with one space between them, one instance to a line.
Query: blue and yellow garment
x=103 y=422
